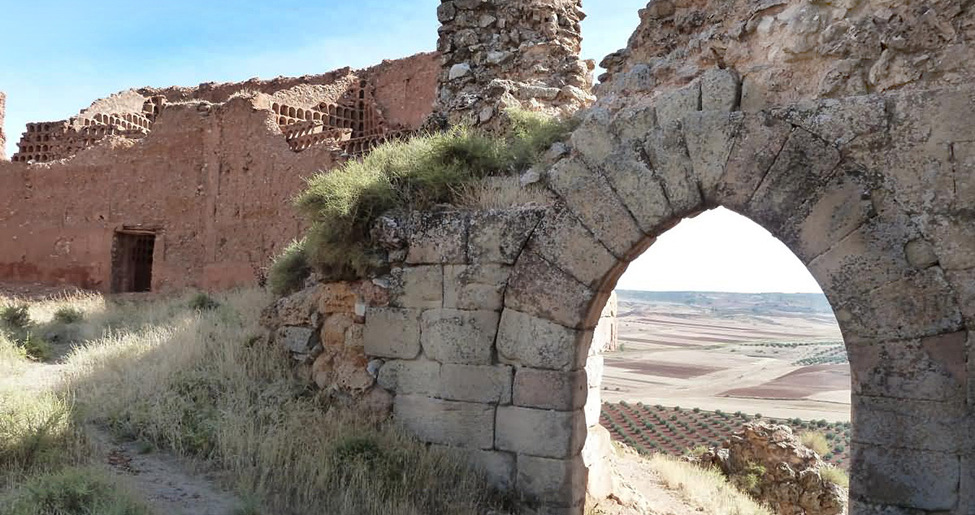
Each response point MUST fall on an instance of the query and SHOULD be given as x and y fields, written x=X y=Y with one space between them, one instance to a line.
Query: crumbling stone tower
x=504 y=53
x=3 y=138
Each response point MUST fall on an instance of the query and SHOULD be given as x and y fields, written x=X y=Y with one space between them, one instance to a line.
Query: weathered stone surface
x=760 y=139
x=931 y=368
x=438 y=237
x=471 y=383
x=596 y=454
x=803 y=166
x=963 y=284
x=591 y=198
x=632 y=124
x=299 y=308
x=541 y=289
x=550 y=389
x=953 y=237
x=720 y=90
x=455 y=336
x=913 y=424
x=411 y=377
x=591 y=139
x=299 y=340
x=710 y=137
x=461 y=424
x=498 y=466
x=640 y=191
x=673 y=106
x=924 y=480
x=666 y=151
x=529 y=341
x=499 y=236
x=475 y=287
x=392 y=333
x=418 y=287
x=791 y=483
x=556 y=482
x=563 y=241
x=549 y=434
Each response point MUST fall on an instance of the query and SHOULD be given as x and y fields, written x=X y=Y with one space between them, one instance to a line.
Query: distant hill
x=724 y=304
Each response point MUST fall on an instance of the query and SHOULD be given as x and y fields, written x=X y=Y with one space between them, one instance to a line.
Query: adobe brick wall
x=214 y=180
x=3 y=137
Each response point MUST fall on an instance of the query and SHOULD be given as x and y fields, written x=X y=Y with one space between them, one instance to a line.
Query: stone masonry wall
x=498 y=54
x=790 y=50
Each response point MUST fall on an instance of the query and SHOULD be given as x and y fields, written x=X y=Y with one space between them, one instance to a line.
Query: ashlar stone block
x=640 y=190
x=460 y=424
x=420 y=287
x=529 y=341
x=666 y=152
x=455 y=336
x=476 y=383
x=920 y=480
x=552 y=482
x=499 y=236
x=760 y=139
x=392 y=333
x=537 y=432
x=438 y=237
x=475 y=287
x=550 y=389
x=710 y=138
x=411 y=377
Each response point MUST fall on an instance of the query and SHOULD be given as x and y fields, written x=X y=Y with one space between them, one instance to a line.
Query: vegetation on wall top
x=342 y=204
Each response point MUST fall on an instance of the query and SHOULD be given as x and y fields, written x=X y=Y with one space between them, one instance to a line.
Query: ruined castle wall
x=789 y=50
x=3 y=137
x=498 y=54
x=213 y=181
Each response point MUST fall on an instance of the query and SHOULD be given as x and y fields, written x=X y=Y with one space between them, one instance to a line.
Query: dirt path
x=639 y=490
x=168 y=484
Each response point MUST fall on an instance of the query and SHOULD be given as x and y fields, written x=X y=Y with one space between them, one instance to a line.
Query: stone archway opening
x=715 y=326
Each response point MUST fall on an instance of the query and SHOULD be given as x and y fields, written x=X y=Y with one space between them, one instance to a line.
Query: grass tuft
x=815 y=441
x=289 y=270
x=15 y=317
x=706 y=489
x=72 y=491
x=68 y=315
x=835 y=475
x=203 y=302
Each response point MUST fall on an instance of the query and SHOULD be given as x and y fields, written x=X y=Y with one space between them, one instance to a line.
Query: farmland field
x=717 y=354
x=676 y=430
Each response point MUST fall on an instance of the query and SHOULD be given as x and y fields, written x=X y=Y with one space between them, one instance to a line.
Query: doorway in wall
x=132 y=261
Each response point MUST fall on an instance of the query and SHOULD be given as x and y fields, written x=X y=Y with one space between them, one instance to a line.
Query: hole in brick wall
x=132 y=261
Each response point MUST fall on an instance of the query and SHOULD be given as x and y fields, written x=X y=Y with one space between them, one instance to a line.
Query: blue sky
x=57 y=56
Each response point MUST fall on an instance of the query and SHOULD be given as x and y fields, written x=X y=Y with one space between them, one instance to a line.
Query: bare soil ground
x=782 y=364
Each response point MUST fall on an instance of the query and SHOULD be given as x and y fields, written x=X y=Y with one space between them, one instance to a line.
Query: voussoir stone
x=392 y=333
x=639 y=189
x=590 y=196
x=564 y=241
x=456 y=336
x=666 y=152
x=544 y=290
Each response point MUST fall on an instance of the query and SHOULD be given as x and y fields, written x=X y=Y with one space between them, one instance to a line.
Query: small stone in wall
x=459 y=70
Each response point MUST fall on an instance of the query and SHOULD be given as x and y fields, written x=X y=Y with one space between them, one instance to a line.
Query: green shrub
x=34 y=347
x=15 y=318
x=37 y=434
x=68 y=315
x=342 y=205
x=72 y=491
x=289 y=270
x=203 y=302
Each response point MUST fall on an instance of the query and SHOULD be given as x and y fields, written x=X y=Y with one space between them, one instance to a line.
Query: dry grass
x=835 y=475
x=501 y=193
x=202 y=384
x=707 y=490
x=815 y=441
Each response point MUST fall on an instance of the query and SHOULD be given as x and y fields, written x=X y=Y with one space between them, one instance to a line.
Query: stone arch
x=816 y=175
